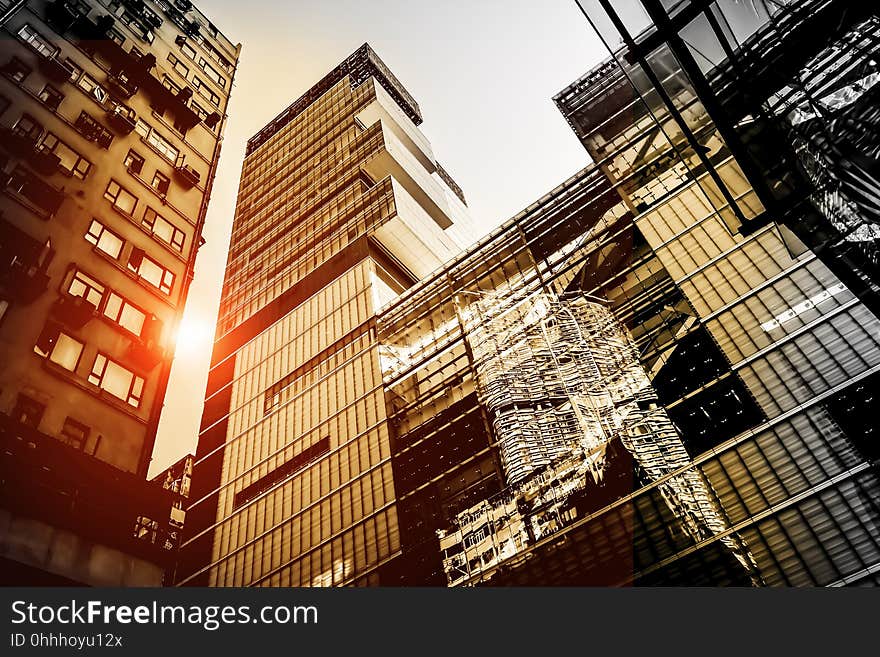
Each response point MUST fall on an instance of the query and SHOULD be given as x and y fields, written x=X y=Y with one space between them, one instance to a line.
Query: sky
x=483 y=73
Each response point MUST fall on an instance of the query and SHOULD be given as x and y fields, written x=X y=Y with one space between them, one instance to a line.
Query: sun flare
x=193 y=336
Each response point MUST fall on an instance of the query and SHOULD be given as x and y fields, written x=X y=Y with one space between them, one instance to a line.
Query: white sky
x=483 y=73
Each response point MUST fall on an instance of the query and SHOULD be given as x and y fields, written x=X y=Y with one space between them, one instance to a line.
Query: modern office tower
x=111 y=116
x=342 y=206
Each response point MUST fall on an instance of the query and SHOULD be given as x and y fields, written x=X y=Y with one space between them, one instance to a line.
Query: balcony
x=23 y=263
x=55 y=69
x=188 y=175
x=89 y=128
x=73 y=312
x=122 y=118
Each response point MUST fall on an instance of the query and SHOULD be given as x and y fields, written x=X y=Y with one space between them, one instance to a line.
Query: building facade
x=112 y=115
x=342 y=205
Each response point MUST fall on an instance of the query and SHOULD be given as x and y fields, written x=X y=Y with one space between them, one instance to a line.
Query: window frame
x=166 y=278
x=151 y=218
x=98 y=374
x=46 y=48
x=116 y=317
x=163 y=185
x=108 y=195
x=98 y=236
x=51 y=91
x=78 y=170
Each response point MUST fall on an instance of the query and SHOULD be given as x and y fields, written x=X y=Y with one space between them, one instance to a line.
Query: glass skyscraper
x=342 y=205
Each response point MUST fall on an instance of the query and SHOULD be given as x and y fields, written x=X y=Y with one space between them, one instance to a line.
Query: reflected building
x=111 y=121
x=342 y=206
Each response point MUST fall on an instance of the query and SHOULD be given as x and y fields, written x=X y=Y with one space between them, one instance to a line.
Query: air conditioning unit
x=73 y=312
x=45 y=162
x=55 y=69
x=122 y=118
x=188 y=175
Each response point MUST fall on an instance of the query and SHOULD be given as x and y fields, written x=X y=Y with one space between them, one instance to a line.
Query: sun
x=194 y=335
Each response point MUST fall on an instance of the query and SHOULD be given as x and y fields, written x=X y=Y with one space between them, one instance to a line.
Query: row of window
x=66 y=351
x=126 y=202
x=109 y=303
x=210 y=72
x=29 y=412
x=111 y=244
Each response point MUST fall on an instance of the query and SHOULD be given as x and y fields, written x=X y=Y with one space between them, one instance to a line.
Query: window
x=198 y=109
x=51 y=97
x=161 y=182
x=134 y=162
x=116 y=36
x=171 y=85
x=28 y=126
x=88 y=84
x=178 y=65
x=37 y=41
x=124 y=313
x=83 y=285
x=188 y=50
x=104 y=239
x=117 y=380
x=142 y=128
x=212 y=73
x=59 y=347
x=74 y=433
x=137 y=25
x=28 y=411
x=121 y=199
x=206 y=92
x=151 y=271
x=17 y=70
x=76 y=71
x=163 y=229
x=219 y=59
x=162 y=145
x=71 y=162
